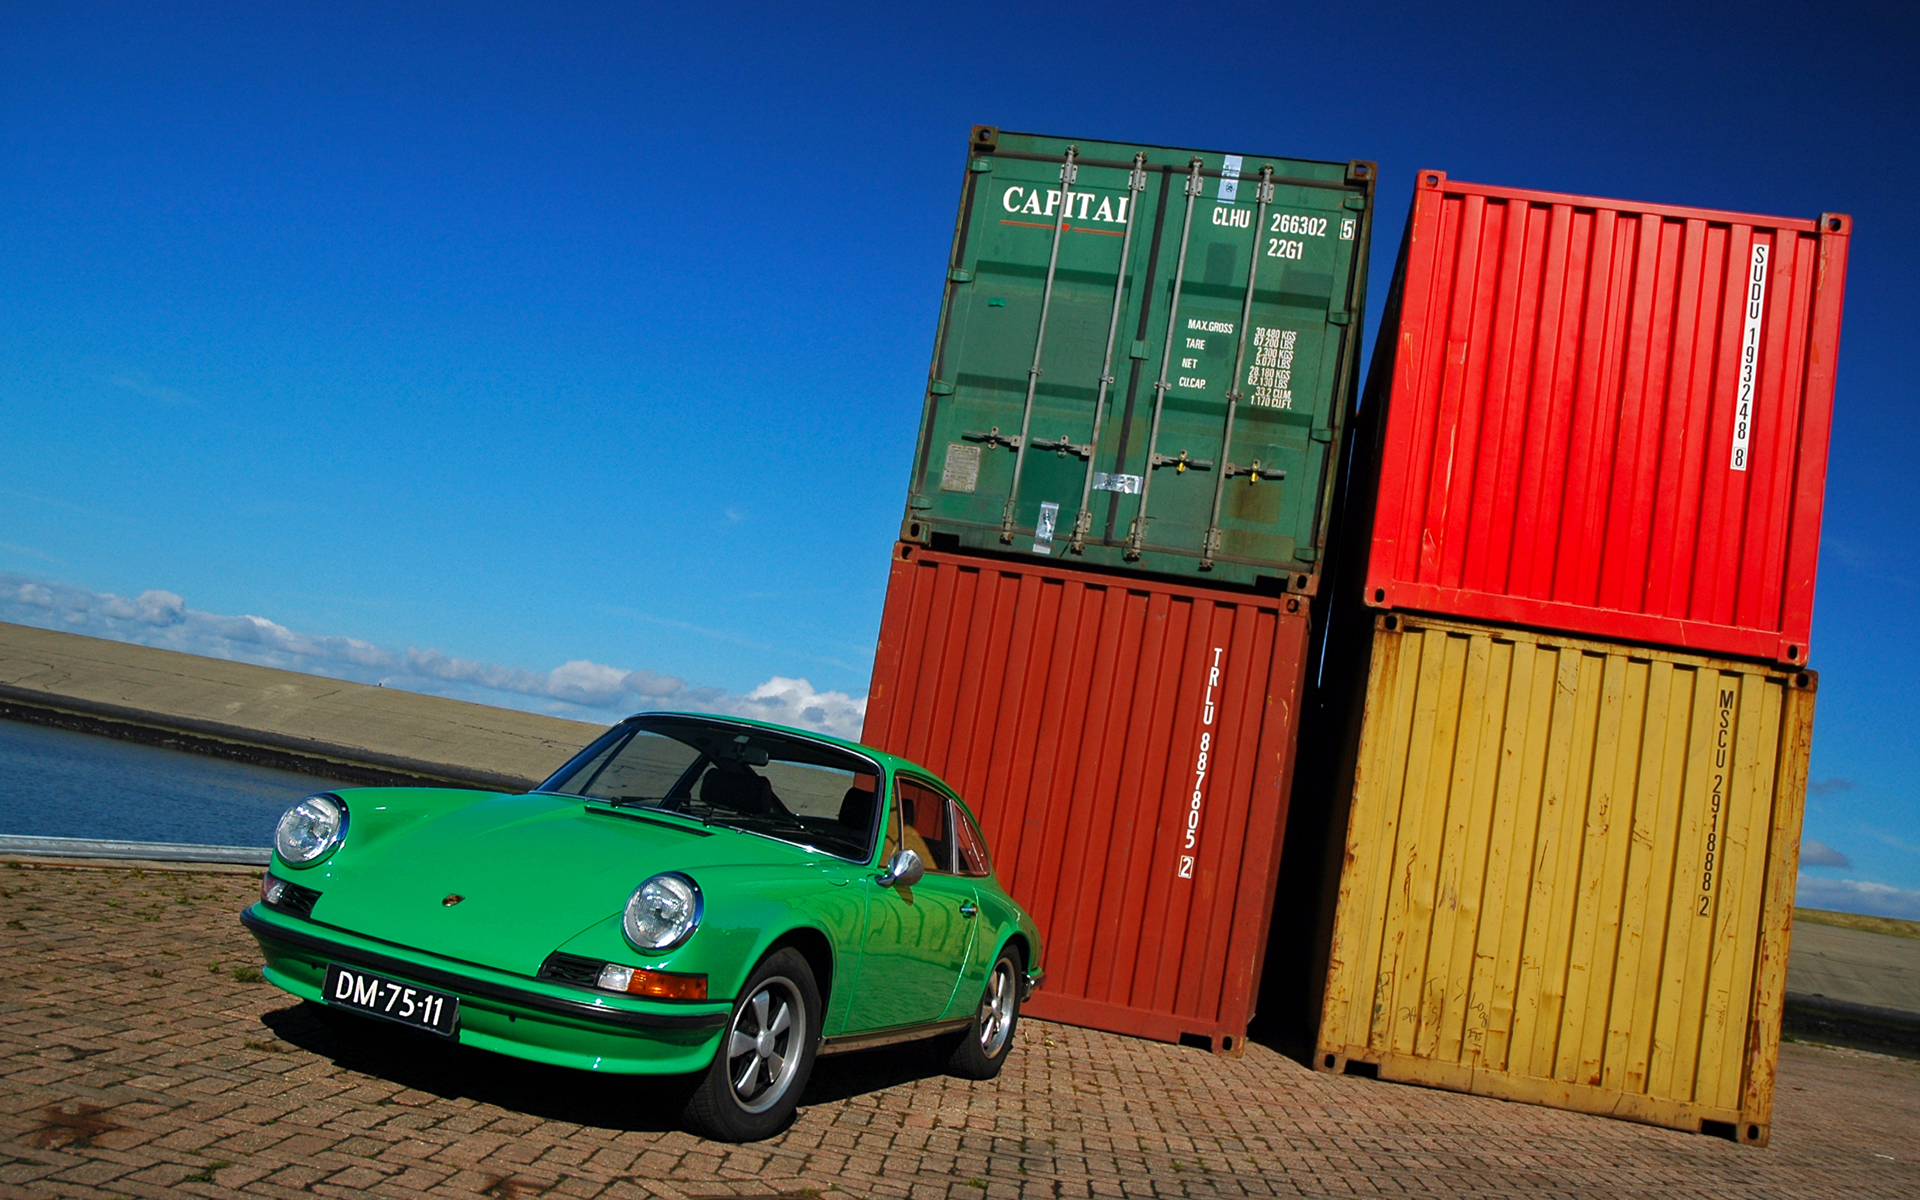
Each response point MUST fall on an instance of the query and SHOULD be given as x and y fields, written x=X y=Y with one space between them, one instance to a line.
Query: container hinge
x=1180 y=462
x=940 y=387
x=1357 y=203
x=993 y=437
x=981 y=164
x=1320 y=435
x=1064 y=446
x=1339 y=317
x=919 y=501
x=1139 y=349
x=1255 y=471
x=960 y=275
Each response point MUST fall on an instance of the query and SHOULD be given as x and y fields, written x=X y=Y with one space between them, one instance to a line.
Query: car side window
x=924 y=825
x=971 y=847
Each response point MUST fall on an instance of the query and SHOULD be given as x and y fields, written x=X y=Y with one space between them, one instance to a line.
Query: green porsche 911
x=690 y=895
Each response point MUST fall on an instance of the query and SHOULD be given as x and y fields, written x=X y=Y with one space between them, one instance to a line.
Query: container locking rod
x=1068 y=173
x=1083 y=523
x=1211 y=544
x=1137 y=535
x=1063 y=446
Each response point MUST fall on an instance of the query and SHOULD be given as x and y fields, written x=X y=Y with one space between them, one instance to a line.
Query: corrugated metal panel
x=1576 y=436
x=1569 y=874
x=1230 y=286
x=1128 y=746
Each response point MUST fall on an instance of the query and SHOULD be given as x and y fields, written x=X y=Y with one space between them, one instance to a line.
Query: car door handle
x=968 y=910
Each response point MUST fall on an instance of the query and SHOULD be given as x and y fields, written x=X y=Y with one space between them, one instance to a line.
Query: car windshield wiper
x=653 y=804
x=733 y=818
x=777 y=820
x=766 y=825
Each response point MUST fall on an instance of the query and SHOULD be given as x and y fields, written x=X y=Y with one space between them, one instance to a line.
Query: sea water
x=57 y=783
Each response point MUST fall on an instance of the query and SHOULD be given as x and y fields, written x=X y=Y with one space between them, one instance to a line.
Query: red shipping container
x=1128 y=747
x=1607 y=418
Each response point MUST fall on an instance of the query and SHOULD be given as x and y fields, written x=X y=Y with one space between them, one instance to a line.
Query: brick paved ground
x=137 y=1058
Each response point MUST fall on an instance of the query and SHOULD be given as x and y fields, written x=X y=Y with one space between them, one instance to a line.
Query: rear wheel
x=753 y=1088
x=983 y=1045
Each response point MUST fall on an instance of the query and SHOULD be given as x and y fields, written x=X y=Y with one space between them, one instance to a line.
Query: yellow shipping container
x=1569 y=874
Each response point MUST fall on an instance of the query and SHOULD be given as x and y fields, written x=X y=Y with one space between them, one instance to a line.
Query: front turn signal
x=655 y=985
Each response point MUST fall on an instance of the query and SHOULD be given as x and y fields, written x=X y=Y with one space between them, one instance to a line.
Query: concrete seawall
x=348 y=731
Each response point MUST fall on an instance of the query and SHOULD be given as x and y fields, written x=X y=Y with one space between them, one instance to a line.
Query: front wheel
x=753 y=1087
x=982 y=1048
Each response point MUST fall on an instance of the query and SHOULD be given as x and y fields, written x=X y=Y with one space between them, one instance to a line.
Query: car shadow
x=640 y=1103
x=426 y=1063
x=840 y=1077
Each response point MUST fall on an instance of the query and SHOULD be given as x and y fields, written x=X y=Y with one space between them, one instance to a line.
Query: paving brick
x=115 y=1082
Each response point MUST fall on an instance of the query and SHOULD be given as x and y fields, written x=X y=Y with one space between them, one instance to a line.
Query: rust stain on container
x=1569 y=874
x=1128 y=746
x=1608 y=418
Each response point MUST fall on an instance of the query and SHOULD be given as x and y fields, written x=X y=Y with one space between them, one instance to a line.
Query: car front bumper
x=510 y=1014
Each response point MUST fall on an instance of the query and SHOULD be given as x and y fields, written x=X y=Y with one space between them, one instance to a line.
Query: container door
x=993 y=327
x=1248 y=355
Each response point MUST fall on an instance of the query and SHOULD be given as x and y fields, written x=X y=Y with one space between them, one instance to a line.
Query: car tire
x=766 y=1051
x=982 y=1047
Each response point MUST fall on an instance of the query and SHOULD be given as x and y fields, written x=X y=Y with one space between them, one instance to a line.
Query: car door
x=917 y=938
x=972 y=863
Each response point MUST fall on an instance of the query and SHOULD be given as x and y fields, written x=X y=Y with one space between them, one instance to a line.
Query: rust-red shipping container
x=1128 y=747
x=1607 y=418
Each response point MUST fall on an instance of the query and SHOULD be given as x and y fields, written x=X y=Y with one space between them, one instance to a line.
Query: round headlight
x=663 y=912
x=310 y=829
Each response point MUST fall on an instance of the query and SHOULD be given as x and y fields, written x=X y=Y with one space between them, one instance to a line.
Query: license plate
x=378 y=996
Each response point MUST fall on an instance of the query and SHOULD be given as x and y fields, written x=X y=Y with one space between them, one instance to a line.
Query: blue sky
x=570 y=355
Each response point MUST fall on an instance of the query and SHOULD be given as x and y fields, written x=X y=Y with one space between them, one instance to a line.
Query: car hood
x=530 y=873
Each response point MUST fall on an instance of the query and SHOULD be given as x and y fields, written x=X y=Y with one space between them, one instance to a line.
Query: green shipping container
x=1152 y=375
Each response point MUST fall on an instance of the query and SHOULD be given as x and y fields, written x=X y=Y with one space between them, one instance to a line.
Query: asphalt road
x=1855 y=966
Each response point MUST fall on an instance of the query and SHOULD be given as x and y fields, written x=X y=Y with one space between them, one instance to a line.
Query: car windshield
x=788 y=788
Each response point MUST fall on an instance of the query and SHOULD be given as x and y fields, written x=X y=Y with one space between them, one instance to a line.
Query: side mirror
x=904 y=869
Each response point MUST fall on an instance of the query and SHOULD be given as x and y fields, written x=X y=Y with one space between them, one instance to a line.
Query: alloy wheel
x=763 y=1044
x=996 y=1009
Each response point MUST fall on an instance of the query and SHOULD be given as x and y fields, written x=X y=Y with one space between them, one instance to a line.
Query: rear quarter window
x=971 y=846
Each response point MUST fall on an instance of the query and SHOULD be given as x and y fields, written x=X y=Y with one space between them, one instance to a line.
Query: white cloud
x=786 y=701
x=580 y=688
x=1859 y=896
x=1819 y=854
